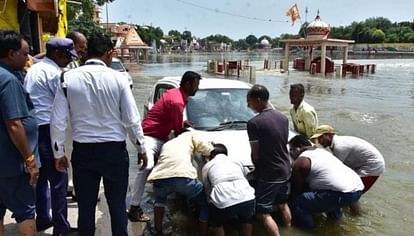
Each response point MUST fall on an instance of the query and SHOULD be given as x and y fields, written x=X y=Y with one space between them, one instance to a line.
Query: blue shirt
x=14 y=104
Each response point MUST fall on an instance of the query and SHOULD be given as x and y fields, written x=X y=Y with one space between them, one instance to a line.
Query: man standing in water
x=165 y=116
x=268 y=135
x=304 y=117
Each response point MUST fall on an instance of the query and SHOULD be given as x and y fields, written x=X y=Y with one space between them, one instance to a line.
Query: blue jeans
x=327 y=201
x=192 y=189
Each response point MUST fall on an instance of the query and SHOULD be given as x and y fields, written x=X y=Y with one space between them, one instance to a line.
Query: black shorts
x=243 y=212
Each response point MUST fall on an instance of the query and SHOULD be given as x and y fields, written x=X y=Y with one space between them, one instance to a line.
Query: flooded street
x=377 y=107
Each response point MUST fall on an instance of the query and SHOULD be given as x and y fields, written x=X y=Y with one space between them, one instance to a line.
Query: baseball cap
x=63 y=45
x=323 y=129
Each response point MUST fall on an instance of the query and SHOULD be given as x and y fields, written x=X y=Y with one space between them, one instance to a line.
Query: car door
x=156 y=94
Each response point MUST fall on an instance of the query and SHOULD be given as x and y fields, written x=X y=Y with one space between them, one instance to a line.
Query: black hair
x=218 y=149
x=189 y=76
x=258 y=91
x=299 y=87
x=300 y=141
x=9 y=40
x=99 y=44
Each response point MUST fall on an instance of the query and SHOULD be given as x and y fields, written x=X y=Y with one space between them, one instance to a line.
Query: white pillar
x=286 y=62
x=323 y=59
x=345 y=58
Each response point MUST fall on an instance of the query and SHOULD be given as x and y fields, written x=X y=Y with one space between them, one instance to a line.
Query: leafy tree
x=150 y=33
x=409 y=37
x=186 y=35
x=302 y=30
x=252 y=41
x=175 y=35
x=218 y=38
x=80 y=17
x=377 y=36
x=392 y=38
x=275 y=42
x=241 y=44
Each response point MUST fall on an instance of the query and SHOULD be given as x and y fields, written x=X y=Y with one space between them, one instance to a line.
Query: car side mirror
x=127 y=70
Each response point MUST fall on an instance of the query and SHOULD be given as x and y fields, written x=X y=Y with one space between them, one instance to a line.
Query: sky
x=239 y=18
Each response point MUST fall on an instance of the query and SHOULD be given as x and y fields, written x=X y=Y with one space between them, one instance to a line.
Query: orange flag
x=293 y=12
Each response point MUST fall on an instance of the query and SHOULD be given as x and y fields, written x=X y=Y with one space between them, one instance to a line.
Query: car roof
x=208 y=83
x=115 y=59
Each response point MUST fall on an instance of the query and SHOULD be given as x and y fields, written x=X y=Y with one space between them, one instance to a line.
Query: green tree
x=187 y=36
x=80 y=17
x=149 y=33
x=302 y=30
x=377 y=36
x=241 y=44
x=252 y=41
x=392 y=38
x=175 y=35
x=275 y=42
x=409 y=37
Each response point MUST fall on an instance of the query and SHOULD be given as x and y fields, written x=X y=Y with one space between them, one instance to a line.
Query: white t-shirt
x=359 y=155
x=225 y=182
x=329 y=173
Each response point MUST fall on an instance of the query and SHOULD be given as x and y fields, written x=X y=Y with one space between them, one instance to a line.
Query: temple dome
x=264 y=42
x=317 y=29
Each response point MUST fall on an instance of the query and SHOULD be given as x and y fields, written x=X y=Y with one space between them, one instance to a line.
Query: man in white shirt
x=102 y=112
x=304 y=117
x=81 y=48
x=230 y=195
x=174 y=172
x=320 y=183
x=41 y=82
x=356 y=153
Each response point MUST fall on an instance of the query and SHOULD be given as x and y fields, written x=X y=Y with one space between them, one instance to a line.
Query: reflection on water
x=377 y=107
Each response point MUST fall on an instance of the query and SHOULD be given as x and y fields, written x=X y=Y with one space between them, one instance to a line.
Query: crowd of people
x=317 y=171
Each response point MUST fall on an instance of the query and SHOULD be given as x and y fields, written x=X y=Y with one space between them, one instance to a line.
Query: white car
x=218 y=112
x=119 y=66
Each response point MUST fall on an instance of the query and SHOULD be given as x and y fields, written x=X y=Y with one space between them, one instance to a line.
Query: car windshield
x=117 y=66
x=219 y=109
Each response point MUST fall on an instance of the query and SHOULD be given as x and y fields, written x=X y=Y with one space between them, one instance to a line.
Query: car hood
x=236 y=141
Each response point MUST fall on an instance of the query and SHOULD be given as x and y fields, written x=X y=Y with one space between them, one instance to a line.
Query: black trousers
x=91 y=162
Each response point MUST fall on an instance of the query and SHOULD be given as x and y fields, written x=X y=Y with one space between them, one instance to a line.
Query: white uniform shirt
x=359 y=155
x=225 y=182
x=41 y=82
x=100 y=105
x=329 y=173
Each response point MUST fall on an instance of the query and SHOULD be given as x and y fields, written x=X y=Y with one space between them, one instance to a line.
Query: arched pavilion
x=317 y=35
